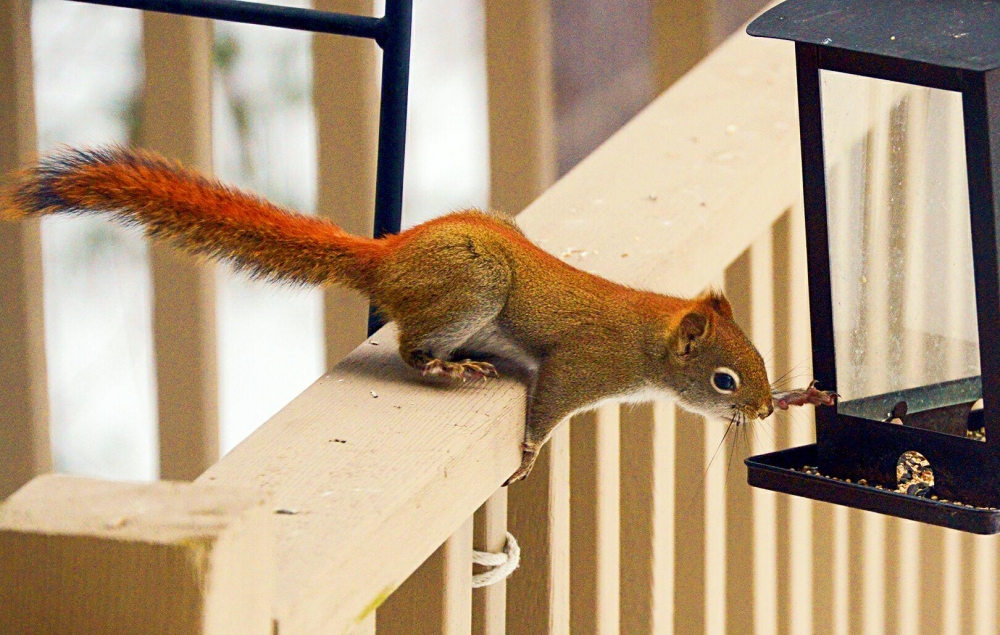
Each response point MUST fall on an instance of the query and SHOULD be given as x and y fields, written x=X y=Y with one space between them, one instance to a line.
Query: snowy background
x=88 y=70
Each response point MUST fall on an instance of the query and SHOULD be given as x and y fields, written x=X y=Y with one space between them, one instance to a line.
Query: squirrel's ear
x=717 y=302
x=691 y=334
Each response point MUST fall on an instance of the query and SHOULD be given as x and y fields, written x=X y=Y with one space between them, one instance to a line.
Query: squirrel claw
x=464 y=370
x=528 y=457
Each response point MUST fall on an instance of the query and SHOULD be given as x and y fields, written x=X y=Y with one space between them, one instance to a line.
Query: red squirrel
x=462 y=288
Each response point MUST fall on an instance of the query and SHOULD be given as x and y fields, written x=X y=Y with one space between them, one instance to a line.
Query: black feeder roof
x=950 y=33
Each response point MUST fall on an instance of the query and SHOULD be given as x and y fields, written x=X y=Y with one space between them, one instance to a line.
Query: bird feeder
x=899 y=115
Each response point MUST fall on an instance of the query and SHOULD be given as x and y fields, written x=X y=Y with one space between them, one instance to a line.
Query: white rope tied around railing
x=503 y=564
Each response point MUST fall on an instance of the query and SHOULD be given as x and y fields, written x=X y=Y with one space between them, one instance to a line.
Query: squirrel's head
x=721 y=372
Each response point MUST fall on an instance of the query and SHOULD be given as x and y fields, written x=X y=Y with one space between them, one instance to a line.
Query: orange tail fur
x=197 y=214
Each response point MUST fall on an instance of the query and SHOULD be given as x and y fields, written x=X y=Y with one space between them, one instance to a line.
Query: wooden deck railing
x=352 y=509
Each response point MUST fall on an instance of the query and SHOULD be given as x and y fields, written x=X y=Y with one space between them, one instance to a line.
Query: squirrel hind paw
x=465 y=370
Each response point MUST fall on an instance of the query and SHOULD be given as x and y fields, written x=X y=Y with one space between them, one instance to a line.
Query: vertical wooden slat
x=909 y=219
x=903 y=584
x=784 y=317
x=951 y=591
x=685 y=31
x=714 y=480
x=792 y=367
x=751 y=551
x=866 y=571
x=838 y=573
x=712 y=485
x=538 y=515
x=24 y=429
x=741 y=535
x=683 y=35
x=866 y=531
x=345 y=95
x=594 y=521
x=932 y=574
x=690 y=523
x=520 y=95
x=893 y=546
x=799 y=427
x=762 y=332
x=489 y=604
x=985 y=585
x=177 y=122
x=648 y=437
x=829 y=566
x=437 y=598
x=522 y=164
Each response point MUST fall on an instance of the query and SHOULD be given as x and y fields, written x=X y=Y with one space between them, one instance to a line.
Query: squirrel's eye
x=725 y=381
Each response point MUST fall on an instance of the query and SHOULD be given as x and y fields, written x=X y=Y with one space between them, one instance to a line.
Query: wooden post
x=345 y=94
x=648 y=447
x=437 y=598
x=24 y=428
x=594 y=521
x=87 y=556
x=177 y=122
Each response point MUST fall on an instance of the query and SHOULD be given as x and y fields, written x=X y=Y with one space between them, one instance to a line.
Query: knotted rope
x=503 y=564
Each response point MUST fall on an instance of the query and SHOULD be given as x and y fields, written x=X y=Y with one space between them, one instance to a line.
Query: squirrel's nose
x=765 y=411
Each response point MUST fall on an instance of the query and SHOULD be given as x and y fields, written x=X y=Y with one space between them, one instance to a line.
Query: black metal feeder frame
x=392 y=34
x=902 y=242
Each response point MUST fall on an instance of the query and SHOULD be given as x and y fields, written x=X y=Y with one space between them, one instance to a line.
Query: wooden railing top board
x=678 y=193
x=365 y=487
x=371 y=468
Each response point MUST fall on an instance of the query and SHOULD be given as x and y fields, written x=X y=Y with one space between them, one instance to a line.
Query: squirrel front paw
x=810 y=395
x=528 y=456
x=464 y=370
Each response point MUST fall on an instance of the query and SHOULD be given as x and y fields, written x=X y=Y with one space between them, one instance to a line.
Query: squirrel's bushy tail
x=195 y=213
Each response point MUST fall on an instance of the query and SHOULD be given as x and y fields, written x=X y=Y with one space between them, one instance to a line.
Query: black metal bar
x=392 y=118
x=392 y=124
x=391 y=32
x=817 y=243
x=262 y=14
x=980 y=110
x=892 y=69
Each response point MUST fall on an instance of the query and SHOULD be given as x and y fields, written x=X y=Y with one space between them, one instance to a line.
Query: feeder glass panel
x=903 y=292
